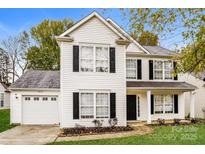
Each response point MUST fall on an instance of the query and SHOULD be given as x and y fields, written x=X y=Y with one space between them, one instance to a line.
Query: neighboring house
x=198 y=81
x=104 y=74
x=4 y=96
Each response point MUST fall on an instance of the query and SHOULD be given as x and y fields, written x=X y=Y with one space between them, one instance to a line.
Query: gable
x=133 y=48
x=95 y=31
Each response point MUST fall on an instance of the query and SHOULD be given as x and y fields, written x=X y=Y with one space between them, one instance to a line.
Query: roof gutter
x=34 y=89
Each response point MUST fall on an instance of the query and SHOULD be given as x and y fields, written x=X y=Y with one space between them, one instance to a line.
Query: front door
x=131 y=107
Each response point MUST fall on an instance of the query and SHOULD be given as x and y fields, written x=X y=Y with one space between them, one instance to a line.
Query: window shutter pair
x=176 y=106
x=76 y=59
x=76 y=105
x=151 y=70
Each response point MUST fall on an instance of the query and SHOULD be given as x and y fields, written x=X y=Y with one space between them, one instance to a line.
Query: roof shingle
x=157 y=50
x=38 y=79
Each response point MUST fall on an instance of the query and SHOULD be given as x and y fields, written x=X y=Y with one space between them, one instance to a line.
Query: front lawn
x=183 y=134
x=5 y=120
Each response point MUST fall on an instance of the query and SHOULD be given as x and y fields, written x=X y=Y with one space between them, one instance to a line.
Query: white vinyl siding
x=93 y=32
x=24 y=110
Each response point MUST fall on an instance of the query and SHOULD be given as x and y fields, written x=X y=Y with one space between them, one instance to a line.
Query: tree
x=148 y=38
x=15 y=48
x=190 y=22
x=45 y=54
x=192 y=58
x=4 y=67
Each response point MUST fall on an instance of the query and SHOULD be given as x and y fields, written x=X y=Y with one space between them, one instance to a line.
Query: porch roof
x=160 y=85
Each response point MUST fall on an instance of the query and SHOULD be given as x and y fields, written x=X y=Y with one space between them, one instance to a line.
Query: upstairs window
x=101 y=59
x=87 y=59
x=94 y=58
x=162 y=70
x=131 y=66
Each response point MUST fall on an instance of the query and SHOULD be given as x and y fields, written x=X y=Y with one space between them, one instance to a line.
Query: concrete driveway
x=29 y=135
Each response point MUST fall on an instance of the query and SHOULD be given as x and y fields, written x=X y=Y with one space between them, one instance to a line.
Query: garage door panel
x=38 y=110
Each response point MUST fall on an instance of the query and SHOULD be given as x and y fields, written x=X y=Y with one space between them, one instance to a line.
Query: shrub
x=194 y=120
x=112 y=122
x=98 y=123
x=161 y=121
x=176 y=121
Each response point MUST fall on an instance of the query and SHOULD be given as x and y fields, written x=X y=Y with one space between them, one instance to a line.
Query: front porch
x=153 y=101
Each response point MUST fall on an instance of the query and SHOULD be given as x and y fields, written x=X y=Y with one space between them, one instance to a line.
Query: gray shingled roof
x=160 y=85
x=157 y=50
x=38 y=79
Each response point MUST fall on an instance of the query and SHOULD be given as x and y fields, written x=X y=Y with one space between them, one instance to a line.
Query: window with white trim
x=101 y=54
x=168 y=67
x=163 y=104
x=169 y=104
x=162 y=70
x=2 y=99
x=87 y=106
x=87 y=59
x=94 y=105
x=131 y=68
x=158 y=104
x=94 y=58
x=102 y=105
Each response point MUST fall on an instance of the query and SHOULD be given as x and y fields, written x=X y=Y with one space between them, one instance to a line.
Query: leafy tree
x=192 y=57
x=163 y=21
x=45 y=54
x=147 y=38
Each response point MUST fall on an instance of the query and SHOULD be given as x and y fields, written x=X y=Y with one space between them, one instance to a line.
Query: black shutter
x=152 y=104
x=112 y=105
x=112 y=60
x=151 y=69
x=139 y=69
x=175 y=65
x=176 y=110
x=75 y=105
x=75 y=58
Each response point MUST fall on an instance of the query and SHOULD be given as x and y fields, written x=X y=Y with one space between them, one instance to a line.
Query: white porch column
x=148 y=107
x=192 y=104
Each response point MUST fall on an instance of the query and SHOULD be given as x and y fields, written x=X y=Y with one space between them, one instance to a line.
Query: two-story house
x=104 y=74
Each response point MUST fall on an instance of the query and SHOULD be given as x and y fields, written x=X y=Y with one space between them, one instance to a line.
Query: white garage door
x=40 y=110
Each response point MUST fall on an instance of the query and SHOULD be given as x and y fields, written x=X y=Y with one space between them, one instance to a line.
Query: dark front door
x=131 y=107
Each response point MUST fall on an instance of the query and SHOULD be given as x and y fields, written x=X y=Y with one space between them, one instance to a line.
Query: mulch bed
x=93 y=130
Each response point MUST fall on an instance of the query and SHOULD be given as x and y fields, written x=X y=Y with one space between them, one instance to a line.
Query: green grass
x=5 y=120
x=162 y=135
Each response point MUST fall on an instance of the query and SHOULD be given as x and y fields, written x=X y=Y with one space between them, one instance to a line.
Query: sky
x=14 y=21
